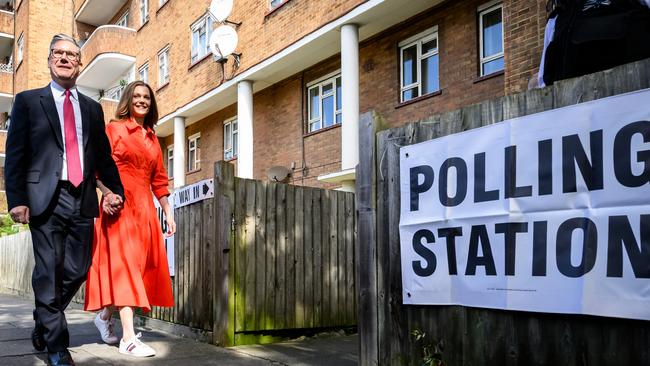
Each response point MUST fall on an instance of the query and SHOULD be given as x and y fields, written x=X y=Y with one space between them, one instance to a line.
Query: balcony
x=107 y=54
x=97 y=12
x=7 y=23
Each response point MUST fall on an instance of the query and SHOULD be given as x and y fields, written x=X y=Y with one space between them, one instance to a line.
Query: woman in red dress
x=129 y=265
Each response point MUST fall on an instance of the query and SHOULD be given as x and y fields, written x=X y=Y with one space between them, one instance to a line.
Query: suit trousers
x=62 y=240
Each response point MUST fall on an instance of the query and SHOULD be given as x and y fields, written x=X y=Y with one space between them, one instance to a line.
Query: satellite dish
x=223 y=41
x=278 y=174
x=221 y=9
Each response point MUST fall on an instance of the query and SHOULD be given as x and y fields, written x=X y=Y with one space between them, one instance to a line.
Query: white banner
x=547 y=213
x=169 y=241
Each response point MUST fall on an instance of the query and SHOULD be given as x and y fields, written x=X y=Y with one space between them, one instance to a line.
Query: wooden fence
x=462 y=335
x=257 y=259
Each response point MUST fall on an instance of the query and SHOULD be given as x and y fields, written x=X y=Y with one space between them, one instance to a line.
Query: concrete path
x=87 y=348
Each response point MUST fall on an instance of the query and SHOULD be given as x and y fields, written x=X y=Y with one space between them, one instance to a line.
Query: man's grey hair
x=64 y=37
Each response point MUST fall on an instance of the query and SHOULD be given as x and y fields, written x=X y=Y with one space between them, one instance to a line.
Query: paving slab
x=87 y=348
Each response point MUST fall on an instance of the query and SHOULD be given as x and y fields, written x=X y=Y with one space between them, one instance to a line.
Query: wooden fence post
x=223 y=279
x=366 y=260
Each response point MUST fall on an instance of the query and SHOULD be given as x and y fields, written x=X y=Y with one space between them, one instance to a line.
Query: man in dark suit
x=56 y=148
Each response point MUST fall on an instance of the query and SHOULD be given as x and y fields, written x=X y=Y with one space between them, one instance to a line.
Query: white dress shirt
x=59 y=97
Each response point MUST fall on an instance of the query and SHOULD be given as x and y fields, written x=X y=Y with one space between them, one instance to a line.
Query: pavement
x=87 y=347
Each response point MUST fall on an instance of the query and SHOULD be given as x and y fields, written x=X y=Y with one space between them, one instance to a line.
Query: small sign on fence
x=548 y=213
x=194 y=193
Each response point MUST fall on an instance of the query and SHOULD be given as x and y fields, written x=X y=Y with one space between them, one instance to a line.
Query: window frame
x=144 y=12
x=273 y=7
x=417 y=41
x=483 y=10
x=161 y=3
x=144 y=67
x=123 y=19
x=318 y=83
x=205 y=21
x=170 y=161
x=196 y=138
x=20 y=49
x=234 y=139
x=164 y=52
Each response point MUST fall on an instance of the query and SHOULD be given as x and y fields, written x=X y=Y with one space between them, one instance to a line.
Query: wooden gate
x=286 y=258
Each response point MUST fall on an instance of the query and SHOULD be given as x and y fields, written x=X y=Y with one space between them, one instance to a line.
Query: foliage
x=7 y=225
x=432 y=354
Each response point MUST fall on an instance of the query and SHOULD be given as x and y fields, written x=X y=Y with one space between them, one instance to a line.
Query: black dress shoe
x=38 y=341
x=62 y=358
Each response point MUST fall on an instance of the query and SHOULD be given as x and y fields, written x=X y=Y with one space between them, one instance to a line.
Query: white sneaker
x=136 y=348
x=105 y=328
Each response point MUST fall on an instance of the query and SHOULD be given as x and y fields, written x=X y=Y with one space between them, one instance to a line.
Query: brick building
x=302 y=72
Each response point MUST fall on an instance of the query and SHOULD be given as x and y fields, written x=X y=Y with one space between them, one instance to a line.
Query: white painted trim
x=323 y=78
x=340 y=176
x=105 y=56
x=246 y=75
x=6 y=95
x=6 y=35
x=81 y=9
x=417 y=41
x=7 y=11
x=487 y=8
x=102 y=27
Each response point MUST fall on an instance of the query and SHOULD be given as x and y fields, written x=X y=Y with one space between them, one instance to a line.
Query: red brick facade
x=280 y=110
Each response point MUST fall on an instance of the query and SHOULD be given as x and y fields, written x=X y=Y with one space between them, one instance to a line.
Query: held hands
x=171 y=226
x=20 y=214
x=112 y=203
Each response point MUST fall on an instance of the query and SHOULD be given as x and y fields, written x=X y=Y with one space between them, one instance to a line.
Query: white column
x=350 y=86
x=245 y=129
x=179 y=151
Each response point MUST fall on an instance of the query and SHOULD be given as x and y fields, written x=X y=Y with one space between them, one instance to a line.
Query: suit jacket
x=34 y=153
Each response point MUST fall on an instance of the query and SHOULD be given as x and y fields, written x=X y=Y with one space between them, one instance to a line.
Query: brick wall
x=6 y=22
x=107 y=39
x=39 y=20
x=6 y=82
x=170 y=25
x=523 y=38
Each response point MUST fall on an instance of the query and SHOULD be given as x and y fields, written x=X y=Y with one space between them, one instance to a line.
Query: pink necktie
x=71 y=146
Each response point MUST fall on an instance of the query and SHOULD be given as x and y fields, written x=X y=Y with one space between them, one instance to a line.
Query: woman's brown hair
x=124 y=106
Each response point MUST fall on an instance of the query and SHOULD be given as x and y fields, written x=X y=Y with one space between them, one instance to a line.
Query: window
x=491 y=38
x=144 y=11
x=201 y=31
x=170 y=161
x=163 y=67
x=124 y=20
x=20 y=44
x=230 y=139
x=276 y=3
x=324 y=104
x=143 y=73
x=194 y=153
x=419 y=65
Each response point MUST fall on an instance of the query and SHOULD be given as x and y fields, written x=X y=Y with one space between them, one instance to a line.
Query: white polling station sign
x=547 y=213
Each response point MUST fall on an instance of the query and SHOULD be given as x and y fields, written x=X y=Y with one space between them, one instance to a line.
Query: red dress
x=129 y=264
